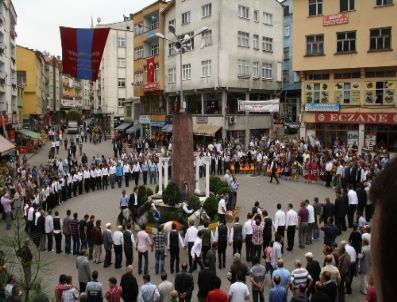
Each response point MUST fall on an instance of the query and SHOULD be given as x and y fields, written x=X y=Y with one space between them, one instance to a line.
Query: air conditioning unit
x=232 y=120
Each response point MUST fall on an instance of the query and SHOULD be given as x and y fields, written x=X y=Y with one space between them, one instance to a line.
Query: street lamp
x=181 y=44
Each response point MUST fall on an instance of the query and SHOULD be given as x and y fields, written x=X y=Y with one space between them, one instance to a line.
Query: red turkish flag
x=150 y=69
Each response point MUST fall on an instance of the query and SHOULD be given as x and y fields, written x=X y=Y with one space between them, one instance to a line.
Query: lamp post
x=181 y=44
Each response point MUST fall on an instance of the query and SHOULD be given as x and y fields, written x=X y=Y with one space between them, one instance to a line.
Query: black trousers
x=328 y=178
x=281 y=231
x=127 y=179
x=129 y=257
x=189 y=248
x=105 y=182
x=222 y=255
x=291 y=237
x=144 y=175
x=136 y=177
x=49 y=242
x=118 y=255
x=108 y=258
x=351 y=210
x=340 y=223
x=98 y=182
x=90 y=249
x=256 y=251
x=248 y=247
x=80 y=184
x=174 y=260
x=274 y=174
x=58 y=242
x=87 y=185
x=237 y=245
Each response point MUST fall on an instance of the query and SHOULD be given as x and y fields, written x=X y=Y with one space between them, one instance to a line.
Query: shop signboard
x=336 y=19
x=369 y=141
x=317 y=107
x=259 y=106
x=352 y=137
x=144 y=119
x=201 y=119
x=356 y=118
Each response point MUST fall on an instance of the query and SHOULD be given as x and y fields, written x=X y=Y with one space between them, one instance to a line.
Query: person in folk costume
x=306 y=170
x=314 y=171
x=286 y=170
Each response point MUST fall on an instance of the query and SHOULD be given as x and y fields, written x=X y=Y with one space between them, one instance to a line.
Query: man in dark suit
x=318 y=295
x=206 y=279
x=362 y=198
x=273 y=168
x=129 y=286
x=134 y=203
x=329 y=287
x=340 y=211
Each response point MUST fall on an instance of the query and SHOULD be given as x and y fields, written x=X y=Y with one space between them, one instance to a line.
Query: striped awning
x=5 y=146
x=206 y=130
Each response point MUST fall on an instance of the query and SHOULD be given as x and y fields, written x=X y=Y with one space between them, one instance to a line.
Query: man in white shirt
x=279 y=223
x=353 y=202
x=238 y=291
x=105 y=173
x=353 y=261
x=247 y=237
x=221 y=209
x=328 y=172
x=190 y=238
x=195 y=252
x=118 y=246
x=291 y=223
x=86 y=176
x=310 y=223
x=127 y=173
x=112 y=175
x=136 y=169
x=49 y=228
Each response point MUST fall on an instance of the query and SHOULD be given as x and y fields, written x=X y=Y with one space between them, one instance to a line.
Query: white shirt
x=352 y=253
x=310 y=209
x=191 y=234
x=196 y=248
x=222 y=206
x=112 y=170
x=105 y=172
x=126 y=168
x=247 y=228
x=86 y=174
x=136 y=168
x=279 y=219
x=352 y=195
x=49 y=224
x=238 y=292
x=292 y=218
x=328 y=166
x=30 y=214
x=118 y=238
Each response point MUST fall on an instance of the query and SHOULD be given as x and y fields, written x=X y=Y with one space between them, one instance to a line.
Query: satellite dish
x=98 y=20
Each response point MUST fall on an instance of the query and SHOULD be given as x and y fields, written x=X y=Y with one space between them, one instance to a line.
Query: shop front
x=368 y=130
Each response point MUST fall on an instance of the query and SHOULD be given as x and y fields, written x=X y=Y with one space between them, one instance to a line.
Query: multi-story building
x=54 y=87
x=31 y=73
x=77 y=94
x=8 y=75
x=291 y=89
x=239 y=57
x=345 y=54
x=114 y=84
x=147 y=22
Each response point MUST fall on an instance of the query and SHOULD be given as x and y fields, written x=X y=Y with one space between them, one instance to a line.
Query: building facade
x=291 y=88
x=345 y=54
x=239 y=57
x=78 y=95
x=8 y=74
x=147 y=22
x=114 y=84
x=53 y=70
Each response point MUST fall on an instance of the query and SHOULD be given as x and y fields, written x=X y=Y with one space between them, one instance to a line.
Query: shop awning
x=5 y=146
x=29 y=133
x=133 y=129
x=206 y=130
x=123 y=126
x=167 y=128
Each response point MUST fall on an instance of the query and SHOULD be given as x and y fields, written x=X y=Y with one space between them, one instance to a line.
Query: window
x=171 y=49
x=186 y=72
x=121 y=83
x=206 y=68
x=380 y=38
x=383 y=2
x=121 y=62
x=189 y=45
x=346 y=93
x=346 y=41
x=206 y=38
x=286 y=53
x=255 y=41
x=243 y=12
x=267 y=44
x=317 y=76
x=243 y=39
x=255 y=70
x=285 y=76
x=186 y=18
x=346 y=75
x=206 y=10
x=120 y=102
x=138 y=53
x=243 y=68
x=172 y=23
x=380 y=74
x=256 y=15
x=267 y=71
x=156 y=73
x=286 y=10
x=154 y=50
x=346 y=5
x=316 y=92
x=381 y=91
x=315 y=45
x=138 y=77
x=267 y=18
x=315 y=7
x=212 y=103
x=138 y=29
x=171 y=75
x=145 y=74
x=286 y=30
x=121 y=42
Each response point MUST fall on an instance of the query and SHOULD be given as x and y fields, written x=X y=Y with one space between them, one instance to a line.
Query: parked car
x=290 y=127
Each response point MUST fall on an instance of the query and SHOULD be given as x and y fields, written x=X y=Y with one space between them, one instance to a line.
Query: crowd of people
x=35 y=192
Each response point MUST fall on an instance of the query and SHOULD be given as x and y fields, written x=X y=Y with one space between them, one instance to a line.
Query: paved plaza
x=105 y=206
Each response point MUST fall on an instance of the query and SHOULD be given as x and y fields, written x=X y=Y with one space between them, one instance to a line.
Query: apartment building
x=239 y=57
x=78 y=95
x=345 y=54
x=53 y=69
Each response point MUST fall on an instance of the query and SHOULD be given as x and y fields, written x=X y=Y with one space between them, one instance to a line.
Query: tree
x=21 y=261
x=171 y=194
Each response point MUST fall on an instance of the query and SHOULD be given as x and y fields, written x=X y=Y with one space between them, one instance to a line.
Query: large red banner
x=150 y=69
x=357 y=118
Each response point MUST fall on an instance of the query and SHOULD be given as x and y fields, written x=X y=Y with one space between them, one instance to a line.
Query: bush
x=169 y=214
x=224 y=190
x=143 y=194
x=171 y=194
x=218 y=186
x=149 y=192
x=194 y=202
x=156 y=189
x=211 y=206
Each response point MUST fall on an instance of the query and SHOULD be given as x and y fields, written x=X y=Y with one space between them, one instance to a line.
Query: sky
x=38 y=21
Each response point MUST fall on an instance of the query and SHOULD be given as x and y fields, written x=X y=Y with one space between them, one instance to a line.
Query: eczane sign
x=356 y=118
